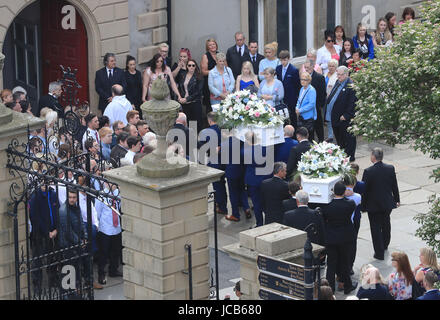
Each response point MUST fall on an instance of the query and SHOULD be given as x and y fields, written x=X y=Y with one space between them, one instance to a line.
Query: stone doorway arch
x=90 y=12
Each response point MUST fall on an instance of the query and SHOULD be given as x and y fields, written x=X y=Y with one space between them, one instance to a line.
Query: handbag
x=283 y=110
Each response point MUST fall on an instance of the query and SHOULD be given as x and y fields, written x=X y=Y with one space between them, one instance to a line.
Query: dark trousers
x=220 y=194
x=42 y=256
x=319 y=125
x=345 y=140
x=380 y=226
x=338 y=260
x=309 y=124
x=193 y=112
x=109 y=249
x=255 y=194
x=238 y=196
x=357 y=225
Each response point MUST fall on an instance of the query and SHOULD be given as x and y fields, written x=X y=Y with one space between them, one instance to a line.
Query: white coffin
x=319 y=190
x=265 y=136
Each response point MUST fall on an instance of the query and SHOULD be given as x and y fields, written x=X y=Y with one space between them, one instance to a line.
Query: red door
x=63 y=47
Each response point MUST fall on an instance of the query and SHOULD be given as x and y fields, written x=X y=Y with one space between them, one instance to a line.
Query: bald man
x=119 y=107
x=282 y=151
x=182 y=124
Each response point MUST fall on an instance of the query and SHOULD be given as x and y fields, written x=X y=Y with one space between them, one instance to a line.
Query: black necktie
x=255 y=59
x=110 y=74
x=239 y=51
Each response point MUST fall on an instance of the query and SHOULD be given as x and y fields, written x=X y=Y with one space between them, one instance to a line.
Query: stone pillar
x=273 y=240
x=160 y=216
x=13 y=125
x=2 y=60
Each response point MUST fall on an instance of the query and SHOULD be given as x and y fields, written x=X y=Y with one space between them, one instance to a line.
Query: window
x=24 y=38
x=292 y=22
x=256 y=22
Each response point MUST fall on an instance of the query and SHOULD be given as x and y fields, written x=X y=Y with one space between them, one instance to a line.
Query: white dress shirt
x=117 y=109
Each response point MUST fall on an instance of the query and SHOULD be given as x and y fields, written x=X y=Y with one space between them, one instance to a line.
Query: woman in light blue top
x=271 y=61
x=271 y=89
x=306 y=106
x=221 y=81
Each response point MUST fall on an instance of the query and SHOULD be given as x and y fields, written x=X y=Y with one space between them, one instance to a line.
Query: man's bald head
x=182 y=119
x=117 y=90
x=289 y=131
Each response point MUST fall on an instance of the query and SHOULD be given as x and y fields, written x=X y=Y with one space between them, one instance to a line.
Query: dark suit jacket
x=302 y=217
x=50 y=102
x=291 y=85
x=273 y=192
x=103 y=85
x=318 y=82
x=235 y=61
x=380 y=292
x=381 y=190
x=117 y=154
x=256 y=64
x=430 y=295
x=289 y=205
x=344 y=105
x=295 y=156
x=248 y=154
x=337 y=218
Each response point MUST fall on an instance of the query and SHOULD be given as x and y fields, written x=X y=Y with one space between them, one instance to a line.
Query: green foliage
x=430 y=225
x=399 y=90
x=399 y=99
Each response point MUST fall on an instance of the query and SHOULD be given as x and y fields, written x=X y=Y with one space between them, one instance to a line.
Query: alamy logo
x=369 y=17
x=68 y=281
x=69 y=20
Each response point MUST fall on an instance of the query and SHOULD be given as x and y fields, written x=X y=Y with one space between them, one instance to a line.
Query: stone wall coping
x=198 y=174
x=19 y=124
x=236 y=251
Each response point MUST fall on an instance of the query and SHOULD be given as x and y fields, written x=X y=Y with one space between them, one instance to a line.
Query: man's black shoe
x=116 y=274
x=354 y=285
x=378 y=258
x=102 y=280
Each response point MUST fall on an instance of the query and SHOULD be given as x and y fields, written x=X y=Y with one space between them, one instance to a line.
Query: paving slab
x=419 y=177
x=419 y=162
x=415 y=196
x=403 y=186
x=433 y=187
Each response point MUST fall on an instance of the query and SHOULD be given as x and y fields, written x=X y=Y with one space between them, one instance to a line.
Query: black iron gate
x=53 y=175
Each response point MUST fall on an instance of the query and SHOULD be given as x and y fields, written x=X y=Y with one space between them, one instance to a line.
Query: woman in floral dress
x=400 y=282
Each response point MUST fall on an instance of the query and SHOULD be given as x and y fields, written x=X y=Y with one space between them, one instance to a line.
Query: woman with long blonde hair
x=247 y=77
x=428 y=262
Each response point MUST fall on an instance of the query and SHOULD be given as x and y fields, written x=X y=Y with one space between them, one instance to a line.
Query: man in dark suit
x=290 y=204
x=381 y=196
x=107 y=77
x=50 y=100
x=428 y=283
x=339 y=237
x=342 y=101
x=303 y=146
x=318 y=82
x=273 y=192
x=282 y=150
x=255 y=56
x=303 y=216
x=289 y=76
x=237 y=54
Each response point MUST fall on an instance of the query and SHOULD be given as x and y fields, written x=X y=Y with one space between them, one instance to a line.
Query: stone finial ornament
x=161 y=114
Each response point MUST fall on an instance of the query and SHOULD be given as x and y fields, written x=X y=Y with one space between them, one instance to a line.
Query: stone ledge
x=152 y=20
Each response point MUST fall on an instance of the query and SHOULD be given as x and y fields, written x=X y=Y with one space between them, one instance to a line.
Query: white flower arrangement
x=245 y=108
x=323 y=161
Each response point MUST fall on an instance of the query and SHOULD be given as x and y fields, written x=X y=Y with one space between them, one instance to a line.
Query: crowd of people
x=317 y=95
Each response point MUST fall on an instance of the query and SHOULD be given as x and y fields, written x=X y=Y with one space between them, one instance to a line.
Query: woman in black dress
x=208 y=63
x=190 y=87
x=133 y=77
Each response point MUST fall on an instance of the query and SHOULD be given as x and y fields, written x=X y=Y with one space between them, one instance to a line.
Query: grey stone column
x=13 y=125
x=160 y=216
